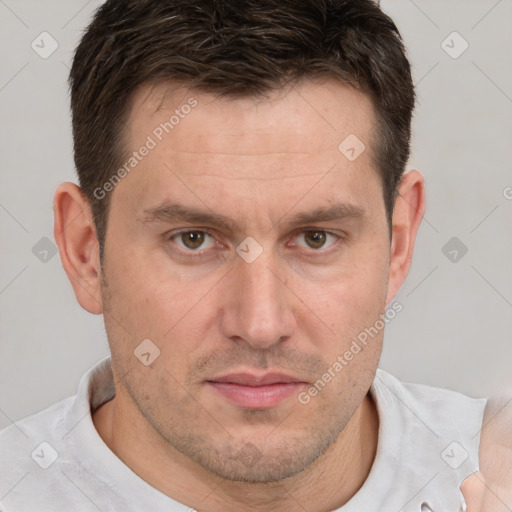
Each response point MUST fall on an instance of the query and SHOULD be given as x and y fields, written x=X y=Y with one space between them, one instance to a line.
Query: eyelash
x=201 y=252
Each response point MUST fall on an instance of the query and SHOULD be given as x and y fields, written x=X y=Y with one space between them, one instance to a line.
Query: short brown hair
x=237 y=49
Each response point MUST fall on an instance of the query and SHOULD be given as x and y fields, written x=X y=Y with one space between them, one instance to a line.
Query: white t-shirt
x=56 y=461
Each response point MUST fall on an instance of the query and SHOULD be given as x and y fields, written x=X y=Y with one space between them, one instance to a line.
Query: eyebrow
x=172 y=212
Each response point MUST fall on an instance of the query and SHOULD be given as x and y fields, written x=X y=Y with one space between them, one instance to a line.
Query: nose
x=256 y=303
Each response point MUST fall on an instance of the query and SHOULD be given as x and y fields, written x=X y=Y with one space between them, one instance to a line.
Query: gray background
x=454 y=330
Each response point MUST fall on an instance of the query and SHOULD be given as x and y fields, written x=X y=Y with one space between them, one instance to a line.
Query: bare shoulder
x=491 y=488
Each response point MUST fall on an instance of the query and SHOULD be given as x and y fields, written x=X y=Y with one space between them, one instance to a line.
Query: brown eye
x=316 y=239
x=192 y=240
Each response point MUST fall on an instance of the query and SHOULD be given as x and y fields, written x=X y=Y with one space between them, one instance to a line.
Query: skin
x=490 y=489
x=294 y=309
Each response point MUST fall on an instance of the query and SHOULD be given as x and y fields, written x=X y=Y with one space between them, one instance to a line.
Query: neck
x=327 y=484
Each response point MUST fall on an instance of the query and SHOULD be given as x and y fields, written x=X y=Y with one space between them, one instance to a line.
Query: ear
x=76 y=238
x=407 y=214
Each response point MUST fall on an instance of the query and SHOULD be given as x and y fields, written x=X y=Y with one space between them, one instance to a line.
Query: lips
x=248 y=379
x=250 y=391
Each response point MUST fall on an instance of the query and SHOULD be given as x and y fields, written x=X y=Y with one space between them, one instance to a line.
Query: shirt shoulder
x=430 y=440
x=56 y=460
x=441 y=410
x=29 y=449
x=38 y=467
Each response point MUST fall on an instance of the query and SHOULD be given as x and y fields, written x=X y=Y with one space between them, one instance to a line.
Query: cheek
x=144 y=289
x=351 y=306
x=143 y=305
x=354 y=295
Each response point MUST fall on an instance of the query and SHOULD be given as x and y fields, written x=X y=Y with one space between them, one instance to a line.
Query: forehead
x=319 y=112
x=273 y=147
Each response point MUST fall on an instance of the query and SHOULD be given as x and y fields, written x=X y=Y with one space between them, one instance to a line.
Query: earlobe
x=75 y=235
x=408 y=212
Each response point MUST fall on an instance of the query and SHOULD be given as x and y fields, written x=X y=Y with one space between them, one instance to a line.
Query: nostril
x=425 y=507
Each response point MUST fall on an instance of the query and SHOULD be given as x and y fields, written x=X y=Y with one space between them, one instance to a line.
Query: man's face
x=290 y=299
